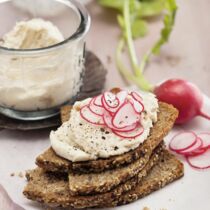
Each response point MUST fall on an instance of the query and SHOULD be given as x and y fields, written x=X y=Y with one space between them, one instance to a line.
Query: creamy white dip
x=39 y=80
x=78 y=140
x=32 y=34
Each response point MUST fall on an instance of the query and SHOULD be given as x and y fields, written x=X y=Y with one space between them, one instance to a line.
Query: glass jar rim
x=79 y=33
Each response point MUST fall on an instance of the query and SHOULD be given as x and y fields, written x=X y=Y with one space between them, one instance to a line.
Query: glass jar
x=34 y=83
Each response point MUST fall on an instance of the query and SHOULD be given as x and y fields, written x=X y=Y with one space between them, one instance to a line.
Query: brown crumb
x=20 y=174
x=145 y=208
x=115 y=90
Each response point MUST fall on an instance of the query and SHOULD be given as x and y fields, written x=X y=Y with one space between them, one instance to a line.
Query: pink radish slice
x=133 y=134
x=122 y=96
x=205 y=136
x=197 y=152
x=138 y=107
x=108 y=108
x=198 y=145
x=136 y=96
x=108 y=122
x=183 y=141
x=90 y=117
x=200 y=161
x=125 y=116
x=98 y=101
x=96 y=109
x=111 y=100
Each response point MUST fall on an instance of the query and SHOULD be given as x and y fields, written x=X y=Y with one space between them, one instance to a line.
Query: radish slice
x=108 y=108
x=132 y=134
x=89 y=116
x=136 y=96
x=183 y=141
x=138 y=107
x=125 y=116
x=96 y=109
x=200 y=162
x=122 y=96
x=98 y=101
x=108 y=122
x=197 y=152
x=111 y=100
x=205 y=136
x=195 y=147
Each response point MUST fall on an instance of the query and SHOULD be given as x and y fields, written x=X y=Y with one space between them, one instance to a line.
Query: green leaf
x=151 y=8
x=115 y=4
x=139 y=28
x=118 y=4
x=168 y=21
x=120 y=21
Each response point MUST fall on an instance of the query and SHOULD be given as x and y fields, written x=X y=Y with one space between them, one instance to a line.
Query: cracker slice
x=166 y=117
x=53 y=190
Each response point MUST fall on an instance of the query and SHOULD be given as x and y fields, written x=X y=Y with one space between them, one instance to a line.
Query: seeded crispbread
x=53 y=190
x=166 y=117
x=120 y=189
x=93 y=183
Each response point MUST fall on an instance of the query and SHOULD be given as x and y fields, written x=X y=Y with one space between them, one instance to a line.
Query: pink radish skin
x=125 y=116
x=131 y=135
x=108 y=108
x=90 y=117
x=197 y=152
x=111 y=100
x=122 y=96
x=183 y=95
x=96 y=109
x=136 y=96
x=198 y=145
x=205 y=136
x=97 y=101
x=117 y=112
x=200 y=162
x=138 y=106
x=180 y=138
x=108 y=122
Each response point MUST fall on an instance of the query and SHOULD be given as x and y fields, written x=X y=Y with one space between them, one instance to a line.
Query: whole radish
x=183 y=95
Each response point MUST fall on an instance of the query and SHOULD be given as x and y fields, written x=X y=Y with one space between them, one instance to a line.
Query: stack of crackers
x=109 y=182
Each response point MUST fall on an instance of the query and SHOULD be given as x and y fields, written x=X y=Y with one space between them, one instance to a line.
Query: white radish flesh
x=89 y=116
x=111 y=100
x=198 y=145
x=98 y=101
x=201 y=161
x=125 y=116
x=108 y=122
x=205 y=136
x=96 y=109
x=182 y=141
x=136 y=96
x=133 y=134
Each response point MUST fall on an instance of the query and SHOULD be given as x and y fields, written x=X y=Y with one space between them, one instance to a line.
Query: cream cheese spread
x=37 y=81
x=32 y=34
x=79 y=140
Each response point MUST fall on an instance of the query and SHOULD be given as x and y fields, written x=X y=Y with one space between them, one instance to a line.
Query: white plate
x=19 y=149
